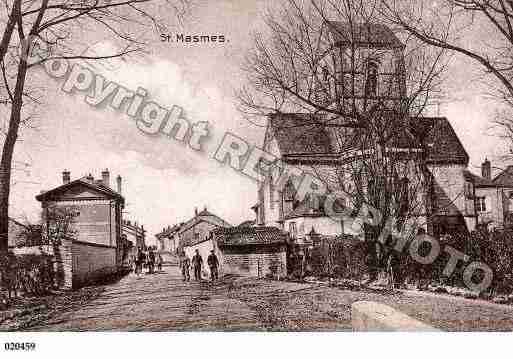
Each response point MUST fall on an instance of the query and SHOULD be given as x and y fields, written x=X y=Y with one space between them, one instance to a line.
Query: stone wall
x=254 y=261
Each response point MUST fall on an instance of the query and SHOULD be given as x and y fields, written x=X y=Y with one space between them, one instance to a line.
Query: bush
x=29 y=274
x=334 y=257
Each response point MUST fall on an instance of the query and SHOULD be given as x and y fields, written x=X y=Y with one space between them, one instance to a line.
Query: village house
x=196 y=233
x=307 y=143
x=93 y=243
x=493 y=197
x=168 y=242
x=135 y=237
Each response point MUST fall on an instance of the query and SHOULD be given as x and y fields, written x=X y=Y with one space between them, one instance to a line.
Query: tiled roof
x=248 y=223
x=240 y=236
x=364 y=34
x=204 y=215
x=207 y=217
x=169 y=231
x=300 y=134
x=477 y=180
x=443 y=143
x=81 y=181
x=304 y=135
x=505 y=178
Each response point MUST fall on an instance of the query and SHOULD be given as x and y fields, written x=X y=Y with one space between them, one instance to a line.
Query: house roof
x=307 y=135
x=478 y=180
x=205 y=216
x=248 y=223
x=505 y=178
x=241 y=236
x=378 y=35
x=95 y=186
x=169 y=230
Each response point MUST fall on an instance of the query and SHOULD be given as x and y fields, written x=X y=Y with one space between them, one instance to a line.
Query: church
x=416 y=165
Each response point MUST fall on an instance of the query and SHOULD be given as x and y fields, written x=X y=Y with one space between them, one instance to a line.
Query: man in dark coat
x=197 y=263
x=213 y=263
x=185 y=264
x=151 y=261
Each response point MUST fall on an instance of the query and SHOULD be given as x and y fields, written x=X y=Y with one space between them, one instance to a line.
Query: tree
x=480 y=30
x=342 y=68
x=57 y=24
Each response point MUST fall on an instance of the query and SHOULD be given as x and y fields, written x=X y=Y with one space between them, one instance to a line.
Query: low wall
x=254 y=261
x=92 y=262
x=377 y=317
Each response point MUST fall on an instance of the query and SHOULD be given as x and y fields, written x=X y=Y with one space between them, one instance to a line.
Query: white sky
x=163 y=180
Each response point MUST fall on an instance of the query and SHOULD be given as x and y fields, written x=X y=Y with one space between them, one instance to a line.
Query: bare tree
x=59 y=24
x=343 y=68
x=480 y=30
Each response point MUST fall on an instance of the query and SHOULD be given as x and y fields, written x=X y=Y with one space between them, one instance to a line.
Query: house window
x=293 y=230
x=371 y=80
x=480 y=204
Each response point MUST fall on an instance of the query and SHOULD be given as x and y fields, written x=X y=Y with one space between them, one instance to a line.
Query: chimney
x=90 y=178
x=195 y=211
x=118 y=180
x=66 y=176
x=106 y=177
x=486 y=169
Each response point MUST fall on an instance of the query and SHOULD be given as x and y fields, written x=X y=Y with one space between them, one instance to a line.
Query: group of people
x=148 y=259
x=197 y=265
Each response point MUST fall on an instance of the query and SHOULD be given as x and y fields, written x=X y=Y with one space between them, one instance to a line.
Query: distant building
x=135 y=236
x=188 y=236
x=493 y=197
x=95 y=231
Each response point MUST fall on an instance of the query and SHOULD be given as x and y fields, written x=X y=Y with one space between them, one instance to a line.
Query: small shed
x=252 y=251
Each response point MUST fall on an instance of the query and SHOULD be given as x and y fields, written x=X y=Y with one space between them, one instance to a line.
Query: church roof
x=309 y=136
x=378 y=35
x=442 y=141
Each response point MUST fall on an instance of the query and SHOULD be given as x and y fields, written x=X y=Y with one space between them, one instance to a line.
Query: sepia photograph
x=339 y=170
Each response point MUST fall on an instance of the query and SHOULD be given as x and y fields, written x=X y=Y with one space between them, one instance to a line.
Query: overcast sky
x=163 y=181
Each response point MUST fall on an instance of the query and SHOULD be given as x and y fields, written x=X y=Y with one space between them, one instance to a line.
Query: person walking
x=213 y=264
x=197 y=264
x=159 y=262
x=185 y=264
x=151 y=261
x=139 y=261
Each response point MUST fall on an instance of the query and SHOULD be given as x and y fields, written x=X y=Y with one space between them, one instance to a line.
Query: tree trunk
x=7 y=154
x=9 y=28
